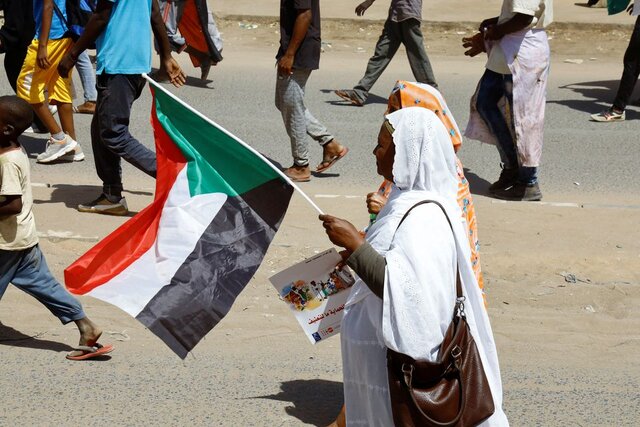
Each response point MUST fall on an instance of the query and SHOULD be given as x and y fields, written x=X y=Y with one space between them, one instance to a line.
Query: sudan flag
x=179 y=265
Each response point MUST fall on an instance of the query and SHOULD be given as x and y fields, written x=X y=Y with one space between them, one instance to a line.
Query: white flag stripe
x=184 y=219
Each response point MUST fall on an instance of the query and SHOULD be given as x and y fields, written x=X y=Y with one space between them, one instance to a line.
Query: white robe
x=420 y=276
x=529 y=58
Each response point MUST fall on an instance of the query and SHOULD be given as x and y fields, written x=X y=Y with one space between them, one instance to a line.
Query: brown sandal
x=87 y=108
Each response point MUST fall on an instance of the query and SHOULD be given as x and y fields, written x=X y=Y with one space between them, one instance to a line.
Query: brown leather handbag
x=453 y=391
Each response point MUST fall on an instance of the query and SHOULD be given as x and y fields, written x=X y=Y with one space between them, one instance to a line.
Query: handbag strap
x=459 y=293
x=459 y=309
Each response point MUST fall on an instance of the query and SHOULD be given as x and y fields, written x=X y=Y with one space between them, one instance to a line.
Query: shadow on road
x=14 y=338
x=477 y=185
x=372 y=99
x=315 y=402
x=599 y=94
x=190 y=81
x=73 y=195
x=32 y=144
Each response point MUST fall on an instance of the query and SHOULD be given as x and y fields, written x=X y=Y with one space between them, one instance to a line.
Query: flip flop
x=326 y=164
x=91 y=352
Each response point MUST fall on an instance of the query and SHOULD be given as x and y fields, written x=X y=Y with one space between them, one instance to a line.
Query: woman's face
x=385 y=152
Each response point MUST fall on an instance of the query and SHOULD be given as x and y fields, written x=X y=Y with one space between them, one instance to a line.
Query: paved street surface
x=568 y=348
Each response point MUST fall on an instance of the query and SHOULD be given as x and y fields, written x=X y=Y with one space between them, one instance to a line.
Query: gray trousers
x=297 y=119
x=407 y=33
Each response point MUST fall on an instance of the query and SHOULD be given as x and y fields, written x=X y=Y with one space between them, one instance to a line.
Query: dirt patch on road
x=442 y=38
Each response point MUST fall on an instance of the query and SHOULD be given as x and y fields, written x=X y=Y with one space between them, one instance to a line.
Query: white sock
x=60 y=136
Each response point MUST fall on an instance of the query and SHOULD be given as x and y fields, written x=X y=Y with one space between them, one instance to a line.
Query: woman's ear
x=8 y=130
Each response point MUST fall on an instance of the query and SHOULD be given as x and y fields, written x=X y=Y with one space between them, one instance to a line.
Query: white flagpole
x=238 y=140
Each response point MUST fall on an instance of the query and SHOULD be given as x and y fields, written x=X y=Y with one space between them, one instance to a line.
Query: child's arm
x=47 y=15
x=10 y=205
x=167 y=63
x=96 y=25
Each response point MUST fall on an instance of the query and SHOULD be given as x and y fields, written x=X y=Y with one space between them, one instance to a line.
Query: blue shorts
x=27 y=270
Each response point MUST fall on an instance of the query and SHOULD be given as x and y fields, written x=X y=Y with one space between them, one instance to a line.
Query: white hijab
x=421 y=258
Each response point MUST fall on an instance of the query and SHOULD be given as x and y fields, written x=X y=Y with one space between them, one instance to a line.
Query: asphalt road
x=237 y=376
x=582 y=160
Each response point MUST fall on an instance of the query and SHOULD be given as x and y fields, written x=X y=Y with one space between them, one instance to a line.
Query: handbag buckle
x=456 y=352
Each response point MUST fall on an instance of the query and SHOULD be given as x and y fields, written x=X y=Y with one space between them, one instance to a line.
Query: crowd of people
x=406 y=290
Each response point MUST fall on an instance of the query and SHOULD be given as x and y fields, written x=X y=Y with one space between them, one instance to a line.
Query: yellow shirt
x=17 y=232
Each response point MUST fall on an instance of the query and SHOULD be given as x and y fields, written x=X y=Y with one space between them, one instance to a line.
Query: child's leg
x=9 y=262
x=60 y=87
x=65 y=112
x=32 y=276
x=44 y=114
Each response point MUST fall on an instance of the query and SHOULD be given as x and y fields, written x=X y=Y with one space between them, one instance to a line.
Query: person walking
x=298 y=56
x=191 y=28
x=631 y=71
x=406 y=286
x=16 y=35
x=508 y=107
x=120 y=65
x=402 y=27
x=21 y=260
x=39 y=73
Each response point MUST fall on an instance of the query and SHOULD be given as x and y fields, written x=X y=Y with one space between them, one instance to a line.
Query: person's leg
x=526 y=175
x=290 y=102
x=44 y=114
x=13 y=60
x=118 y=95
x=316 y=130
x=32 y=276
x=491 y=90
x=631 y=70
x=417 y=54
x=9 y=262
x=385 y=49
x=88 y=79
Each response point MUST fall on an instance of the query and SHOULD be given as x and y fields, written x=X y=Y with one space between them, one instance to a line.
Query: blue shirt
x=58 y=28
x=124 y=47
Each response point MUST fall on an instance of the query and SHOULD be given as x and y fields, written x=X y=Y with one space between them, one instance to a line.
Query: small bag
x=453 y=391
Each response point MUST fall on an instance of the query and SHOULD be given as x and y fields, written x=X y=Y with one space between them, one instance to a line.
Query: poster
x=316 y=293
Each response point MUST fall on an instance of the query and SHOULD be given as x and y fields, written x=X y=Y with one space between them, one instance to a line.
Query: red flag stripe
x=131 y=240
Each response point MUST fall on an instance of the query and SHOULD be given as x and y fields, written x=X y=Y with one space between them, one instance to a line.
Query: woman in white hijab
x=405 y=294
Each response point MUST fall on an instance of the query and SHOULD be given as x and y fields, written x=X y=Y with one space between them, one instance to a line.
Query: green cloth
x=617 y=6
x=370 y=266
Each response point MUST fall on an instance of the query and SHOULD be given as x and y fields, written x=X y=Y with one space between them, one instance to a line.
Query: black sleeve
x=302 y=4
x=370 y=266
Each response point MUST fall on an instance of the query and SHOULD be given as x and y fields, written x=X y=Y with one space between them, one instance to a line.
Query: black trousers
x=110 y=136
x=631 y=70
x=16 y=34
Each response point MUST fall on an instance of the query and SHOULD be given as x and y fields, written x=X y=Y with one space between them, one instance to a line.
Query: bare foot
x=331 y=153
x=89 y=332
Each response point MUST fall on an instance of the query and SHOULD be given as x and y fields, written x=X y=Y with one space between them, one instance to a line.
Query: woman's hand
x=375 y=202
x=342 y=233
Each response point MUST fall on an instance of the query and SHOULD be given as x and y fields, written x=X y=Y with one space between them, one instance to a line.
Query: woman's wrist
x=356 y=243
